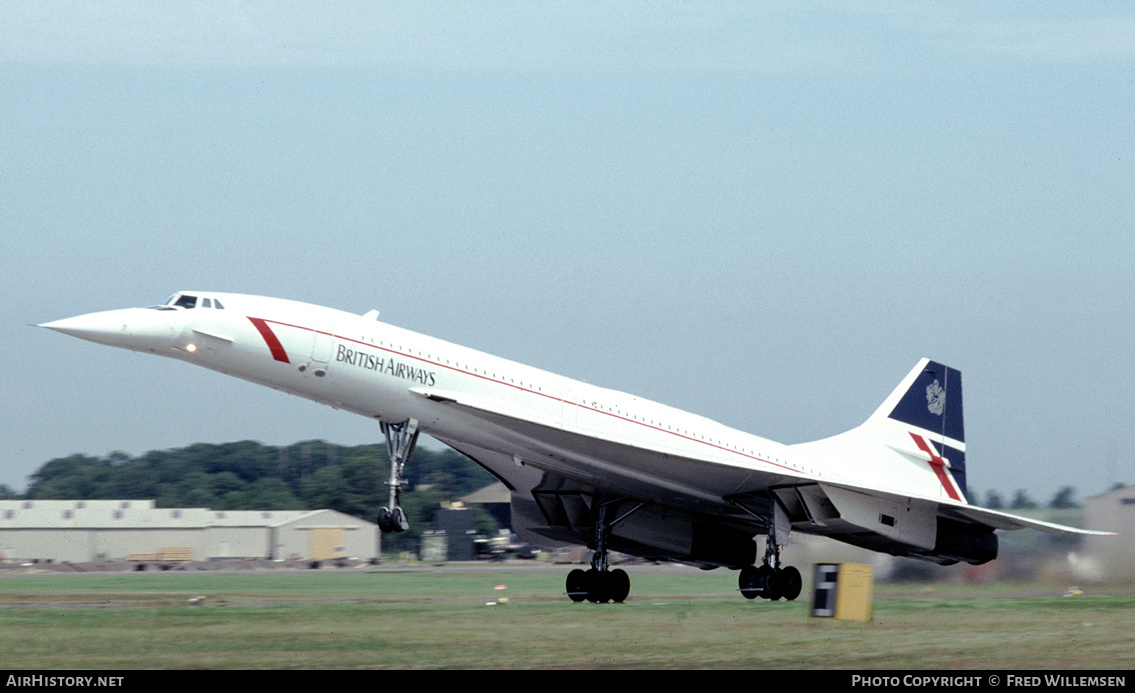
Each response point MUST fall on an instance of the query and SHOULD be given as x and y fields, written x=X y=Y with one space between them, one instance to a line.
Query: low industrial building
x=496 y=500
x=67 y=531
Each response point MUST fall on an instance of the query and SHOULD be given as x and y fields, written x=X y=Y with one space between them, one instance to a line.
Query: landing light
x=191 y=348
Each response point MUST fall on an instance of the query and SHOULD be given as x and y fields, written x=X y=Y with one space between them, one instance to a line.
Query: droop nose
x=140 y=329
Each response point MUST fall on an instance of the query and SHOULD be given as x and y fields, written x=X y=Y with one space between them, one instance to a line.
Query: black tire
x=766 y=581
x=577 y=585
x=392 y=520
x=620 y=584
x=598 y=591
x=747 y=582
x=789 y=582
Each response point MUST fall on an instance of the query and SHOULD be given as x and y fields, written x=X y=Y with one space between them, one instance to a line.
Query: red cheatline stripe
x=270 y=338
x=938 y=465
x=279 y=354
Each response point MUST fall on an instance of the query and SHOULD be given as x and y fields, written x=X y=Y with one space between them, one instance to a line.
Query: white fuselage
x=358 y=364
x=374 y=369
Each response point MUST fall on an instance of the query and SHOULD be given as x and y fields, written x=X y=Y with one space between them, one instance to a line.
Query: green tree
x=993 y=500
x=269 y=494
x=325 y=489
x=1064 y=499
x=224 y=483
x=1021 y=501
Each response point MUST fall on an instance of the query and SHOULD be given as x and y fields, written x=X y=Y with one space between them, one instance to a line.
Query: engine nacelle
x=718 y=546
x=665 y=534
x=965 y=542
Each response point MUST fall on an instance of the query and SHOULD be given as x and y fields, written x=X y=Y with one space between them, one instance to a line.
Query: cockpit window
x=189 y=301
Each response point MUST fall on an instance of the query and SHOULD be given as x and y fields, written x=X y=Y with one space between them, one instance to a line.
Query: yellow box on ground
x=842 y=591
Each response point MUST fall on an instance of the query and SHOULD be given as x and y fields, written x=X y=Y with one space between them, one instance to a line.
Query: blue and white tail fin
x=928 y=403
x=929 y=398
x=914 y=443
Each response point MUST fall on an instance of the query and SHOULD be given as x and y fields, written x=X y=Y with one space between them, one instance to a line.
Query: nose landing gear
x=400 y=441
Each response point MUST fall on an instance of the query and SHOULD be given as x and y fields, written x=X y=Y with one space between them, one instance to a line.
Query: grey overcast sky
x=760 y=213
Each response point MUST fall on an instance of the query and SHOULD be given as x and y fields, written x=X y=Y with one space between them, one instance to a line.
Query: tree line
x=248 y=475
x=308 y=475
x=1061 y=500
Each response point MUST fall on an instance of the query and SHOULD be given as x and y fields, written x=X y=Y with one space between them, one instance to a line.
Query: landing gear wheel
x=747 y=582
x=620 y=584
x=789 y=583
x=766 y=583
x=598 y=587
x=577 y=585
x=392 y=520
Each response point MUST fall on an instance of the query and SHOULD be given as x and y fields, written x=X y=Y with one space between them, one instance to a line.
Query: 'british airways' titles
x=386 y=365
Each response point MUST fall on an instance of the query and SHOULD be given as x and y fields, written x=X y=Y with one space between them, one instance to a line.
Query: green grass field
x=442 y=618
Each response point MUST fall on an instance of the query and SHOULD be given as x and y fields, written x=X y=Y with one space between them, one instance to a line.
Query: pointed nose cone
x=140 y=329
x=93 y=327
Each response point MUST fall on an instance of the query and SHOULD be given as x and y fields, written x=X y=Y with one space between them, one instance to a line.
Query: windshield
x=189 y=301
x=178 y=300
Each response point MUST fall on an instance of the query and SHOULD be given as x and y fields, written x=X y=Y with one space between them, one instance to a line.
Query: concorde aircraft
x=593 y=466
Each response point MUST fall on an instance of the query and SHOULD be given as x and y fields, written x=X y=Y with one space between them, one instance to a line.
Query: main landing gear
x=400 y=441
x=600 y=584
x=770 y=581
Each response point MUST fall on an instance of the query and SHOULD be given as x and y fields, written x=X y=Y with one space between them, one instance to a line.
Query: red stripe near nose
x=270 y=339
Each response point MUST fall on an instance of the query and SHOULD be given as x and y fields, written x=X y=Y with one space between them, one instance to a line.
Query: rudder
x=933 y=401
x=930 y=399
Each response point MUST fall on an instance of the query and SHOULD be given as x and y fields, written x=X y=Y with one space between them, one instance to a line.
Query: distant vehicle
x=502 y=547
x=588 y=465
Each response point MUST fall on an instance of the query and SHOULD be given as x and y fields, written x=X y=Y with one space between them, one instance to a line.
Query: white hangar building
x=1113 y=511
x=111 y=530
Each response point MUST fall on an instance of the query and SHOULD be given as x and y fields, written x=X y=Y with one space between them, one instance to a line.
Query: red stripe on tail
x=938 y=465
